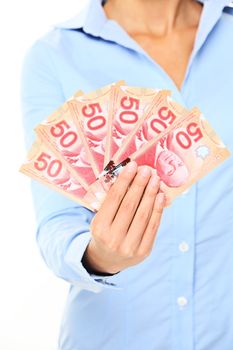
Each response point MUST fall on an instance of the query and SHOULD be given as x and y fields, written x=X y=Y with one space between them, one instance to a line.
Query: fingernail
x=154 y=181
x=131 y=167
x=145 y=171
x=161 y=198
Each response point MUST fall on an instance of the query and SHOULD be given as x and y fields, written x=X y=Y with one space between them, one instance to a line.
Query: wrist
x=93 y=264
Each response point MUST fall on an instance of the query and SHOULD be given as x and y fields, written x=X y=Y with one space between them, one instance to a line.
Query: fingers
x=116 y=193
x=148 y=238
x=143 y=214
x=130 y=202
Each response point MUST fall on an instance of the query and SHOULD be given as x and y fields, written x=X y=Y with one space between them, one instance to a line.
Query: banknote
x=184 y=154
x=92 y=111
x=161 y=113
x=44 y=166
x=81 y=148
x=65 y=138
x=129 y=106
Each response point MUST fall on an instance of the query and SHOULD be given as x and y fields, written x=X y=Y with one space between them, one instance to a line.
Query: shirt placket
x=183 y=267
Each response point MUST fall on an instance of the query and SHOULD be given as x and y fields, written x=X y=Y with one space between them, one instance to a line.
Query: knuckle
x=102 y=241
x=128 y=204
x=159 y=210
x=127 y=252
x=154 y=226
x=113 y=246
x=159 y=203
x=115 y=193
x=142 y=254
x=151 y=192
x=139 y=182
x=97 y=230
x=143 y=215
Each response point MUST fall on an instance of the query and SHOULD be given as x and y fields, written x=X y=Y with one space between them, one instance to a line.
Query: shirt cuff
x=85 y=280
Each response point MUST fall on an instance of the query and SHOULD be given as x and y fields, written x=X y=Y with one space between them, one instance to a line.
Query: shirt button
x=183 y=247
x=182 y=301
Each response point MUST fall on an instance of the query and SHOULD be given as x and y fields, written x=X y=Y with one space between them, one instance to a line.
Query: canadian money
x=44 y=166
x=159 y=115
x=129 y=106
x=65 y=138
x=92 y=112
x=82 y=147
x=185 y=153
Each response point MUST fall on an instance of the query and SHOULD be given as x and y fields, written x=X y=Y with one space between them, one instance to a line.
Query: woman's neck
x=157 y=17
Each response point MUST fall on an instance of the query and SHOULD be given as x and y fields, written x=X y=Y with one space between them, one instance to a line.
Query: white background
x=31 y=297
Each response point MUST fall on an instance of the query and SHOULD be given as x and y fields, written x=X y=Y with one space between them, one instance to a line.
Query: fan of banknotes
x=80 y=149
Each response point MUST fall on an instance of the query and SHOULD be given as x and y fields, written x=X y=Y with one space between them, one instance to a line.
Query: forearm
x=62 y=238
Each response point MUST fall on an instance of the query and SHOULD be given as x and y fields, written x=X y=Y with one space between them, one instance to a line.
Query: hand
x=124 y=229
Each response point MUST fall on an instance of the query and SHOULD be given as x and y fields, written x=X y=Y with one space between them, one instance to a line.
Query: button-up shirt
x=181 y=296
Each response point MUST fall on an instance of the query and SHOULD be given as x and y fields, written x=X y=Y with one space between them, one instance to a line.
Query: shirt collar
x=92 y=17
x=92 y=20
x=211 y=13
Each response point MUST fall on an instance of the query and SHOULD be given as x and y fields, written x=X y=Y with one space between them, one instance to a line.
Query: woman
x=129 y=290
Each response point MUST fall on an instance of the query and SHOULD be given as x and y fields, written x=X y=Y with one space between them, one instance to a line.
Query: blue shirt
x=181 y=296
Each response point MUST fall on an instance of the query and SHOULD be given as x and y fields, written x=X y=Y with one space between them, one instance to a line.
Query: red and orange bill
x=81 y=148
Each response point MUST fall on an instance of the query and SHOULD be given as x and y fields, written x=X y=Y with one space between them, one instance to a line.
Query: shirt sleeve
x=63 y=226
